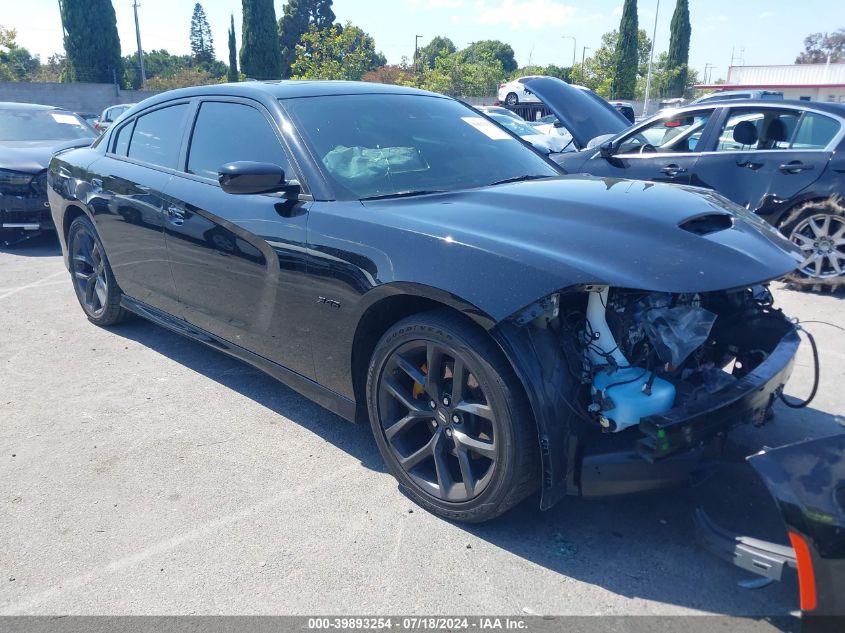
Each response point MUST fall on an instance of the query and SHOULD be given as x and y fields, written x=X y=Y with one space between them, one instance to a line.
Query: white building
x=808 y=82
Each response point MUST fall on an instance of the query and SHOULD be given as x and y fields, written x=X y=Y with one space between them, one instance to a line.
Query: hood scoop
x=708 y=223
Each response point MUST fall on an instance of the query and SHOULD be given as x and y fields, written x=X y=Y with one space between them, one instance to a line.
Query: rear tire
x=818 y=229
x=95 y=285
x=512 y=99
x=451 y=419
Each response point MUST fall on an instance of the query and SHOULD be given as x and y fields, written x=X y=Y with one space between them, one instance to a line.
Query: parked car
x=783 y=160
x=734 y=95
x=110 y=115
x=545 y=143
x=626 y=109
x=398 y=257
x=514 y=92
x=29 y=136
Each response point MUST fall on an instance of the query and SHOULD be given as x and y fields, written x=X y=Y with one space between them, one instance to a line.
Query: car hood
x=575 y=230
x=34 y=156
x=582 y=112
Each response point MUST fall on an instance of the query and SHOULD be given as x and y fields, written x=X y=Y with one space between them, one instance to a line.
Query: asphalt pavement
x=143 y=473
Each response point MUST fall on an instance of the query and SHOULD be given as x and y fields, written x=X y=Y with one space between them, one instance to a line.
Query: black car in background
x=29 y=136
x=783 y=160
x=400 y=258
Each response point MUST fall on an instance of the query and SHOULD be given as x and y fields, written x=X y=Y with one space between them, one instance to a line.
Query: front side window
x=373 y=145
x=158 y=136
x=752 y=129
x=678 y=133
x=229 y=132
x=815 y=131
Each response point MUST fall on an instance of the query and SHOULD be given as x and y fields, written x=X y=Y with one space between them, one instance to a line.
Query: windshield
x=520 y=128
x=42 y=125
x=387 y=144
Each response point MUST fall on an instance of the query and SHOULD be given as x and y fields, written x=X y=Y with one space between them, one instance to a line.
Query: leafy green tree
x=819 y=47
x=678 y=58
x=233 y=53
x=299 y=16
x=260 y=54
x=453 y=75
x=182 y=79
x=336 y=53
x=16 y=62
x=202 y=42
x=561 y=72
x=437 y=47
x=486 y=50
x=598 y=70
x=395 y=75
x=624 y=80
x=161 y=64
x=91 y=41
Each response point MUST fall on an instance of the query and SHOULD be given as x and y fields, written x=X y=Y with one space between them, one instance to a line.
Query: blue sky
x=759 y=31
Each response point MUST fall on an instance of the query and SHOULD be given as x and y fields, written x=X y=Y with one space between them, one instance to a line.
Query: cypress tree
x=261 y=57
x=202 y=43
x=298 y=16
x=678 y=61
x=233 y=52
x=624 y=82
x=91 y=41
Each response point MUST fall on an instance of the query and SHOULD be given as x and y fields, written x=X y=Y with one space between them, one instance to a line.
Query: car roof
x=823 y=106
x=11 y=105
x=289 y=89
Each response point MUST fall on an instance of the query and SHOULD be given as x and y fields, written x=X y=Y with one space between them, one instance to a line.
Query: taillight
x=806 y=577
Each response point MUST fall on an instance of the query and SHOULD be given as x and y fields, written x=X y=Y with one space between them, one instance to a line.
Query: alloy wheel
x=89 y=272
x=437 y=421
x=821 y=238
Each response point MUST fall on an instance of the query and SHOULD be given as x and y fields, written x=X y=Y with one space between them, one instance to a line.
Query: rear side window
x=815 y=131
x=121 y=141
x=749 y=129
x=158 y=135
x=229 y=132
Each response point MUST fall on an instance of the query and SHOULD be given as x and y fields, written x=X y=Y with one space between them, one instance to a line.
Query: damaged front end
x=636 y=390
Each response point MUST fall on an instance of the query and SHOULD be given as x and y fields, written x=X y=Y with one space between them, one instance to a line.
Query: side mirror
x=248 y=177
x=607 y=149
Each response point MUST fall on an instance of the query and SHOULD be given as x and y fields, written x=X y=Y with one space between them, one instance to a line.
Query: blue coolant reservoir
x=630 y=403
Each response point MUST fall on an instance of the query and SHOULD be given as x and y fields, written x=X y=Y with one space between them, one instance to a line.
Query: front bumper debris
x=749 y=399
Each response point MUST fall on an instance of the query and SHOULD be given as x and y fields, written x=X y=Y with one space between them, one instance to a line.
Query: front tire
x=450 y=418
x=93 y=281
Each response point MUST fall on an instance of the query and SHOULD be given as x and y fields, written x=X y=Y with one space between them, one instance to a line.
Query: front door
x=238 y=260
x=665 y=150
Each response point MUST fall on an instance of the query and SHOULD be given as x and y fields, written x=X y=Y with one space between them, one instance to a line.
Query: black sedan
x=29 y=136
x=783 y=160
x=398 y=257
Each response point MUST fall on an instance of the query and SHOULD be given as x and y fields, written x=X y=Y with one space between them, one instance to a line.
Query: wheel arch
x=833 y=202
x=387 y=305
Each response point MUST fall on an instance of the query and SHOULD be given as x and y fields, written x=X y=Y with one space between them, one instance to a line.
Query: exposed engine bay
x=650 y=359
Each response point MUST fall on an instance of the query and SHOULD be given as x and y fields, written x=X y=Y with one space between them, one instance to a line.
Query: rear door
x=238 y=260
x=664 y=150
x=764 y=155
x=128 y=200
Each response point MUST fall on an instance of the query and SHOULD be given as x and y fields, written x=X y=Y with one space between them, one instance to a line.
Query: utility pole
x=417 y=39
x=584 y=54
x=650 y=62
x=574 y=45
x=140 y=50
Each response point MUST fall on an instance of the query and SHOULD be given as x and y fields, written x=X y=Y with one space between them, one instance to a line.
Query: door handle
x=674 y=170
x=795 y=166
x=176 y=215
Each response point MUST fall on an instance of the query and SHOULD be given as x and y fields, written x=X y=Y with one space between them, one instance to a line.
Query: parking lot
x=143 y=473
